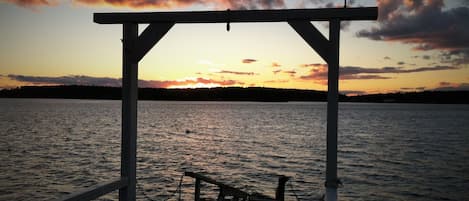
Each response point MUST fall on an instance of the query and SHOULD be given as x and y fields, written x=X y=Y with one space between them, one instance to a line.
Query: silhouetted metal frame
x=136 y=46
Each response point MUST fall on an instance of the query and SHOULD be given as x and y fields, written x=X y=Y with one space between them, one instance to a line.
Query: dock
x=136 y=46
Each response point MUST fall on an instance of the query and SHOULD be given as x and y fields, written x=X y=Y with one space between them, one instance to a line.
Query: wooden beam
x=129 y=113
x=197 y=190
x=149 y=37
x=96 y=191
x=313 y=37
x=332 y=111
x=323 y=14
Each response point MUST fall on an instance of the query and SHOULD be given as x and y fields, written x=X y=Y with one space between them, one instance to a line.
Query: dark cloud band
x=318 y=72
x=426 y=25
x=117 y=82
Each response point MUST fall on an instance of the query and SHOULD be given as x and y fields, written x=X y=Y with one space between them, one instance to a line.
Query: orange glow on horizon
x=194 y=86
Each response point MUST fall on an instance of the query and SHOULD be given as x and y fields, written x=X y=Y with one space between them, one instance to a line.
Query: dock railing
x=96 y=191
x=225 y=190
x=235 y=194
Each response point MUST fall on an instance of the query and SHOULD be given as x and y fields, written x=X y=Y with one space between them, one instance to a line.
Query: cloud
x=426 y=25
x=276 y=81
x=117 y=82
x=313 y=65
x=186 y=82
x=248 y=61
x=288 y=72
x=235 y=72
x=444 y=84
x=363 y=77
x=318 y=72
x=218 y=4
x=389 y=69
x=164 y=4
x=400 y=63
x=387 y=58
x=33 y=3
x=448 y=86
x=67 y=80
x=291 y=73
x=275 y=64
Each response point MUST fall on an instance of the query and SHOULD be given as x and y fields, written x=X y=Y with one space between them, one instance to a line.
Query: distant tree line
x=199 y=94
x=230 y=94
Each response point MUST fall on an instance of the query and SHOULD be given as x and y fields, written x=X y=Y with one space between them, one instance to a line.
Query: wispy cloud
x=449 y=86
x=33 y=3
x=116 y=82
x=186 y=82
x=291 y=73
x=235 y=72
x=426 y=25
x=68 y=80
x=275 y=64
x=164 y=4
x=276 y=81
x=318 y=72
x=248 y=61
x=389 y=69
x=313 y=65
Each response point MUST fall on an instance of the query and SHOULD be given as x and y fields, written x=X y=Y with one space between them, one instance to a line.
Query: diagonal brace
x=313 y=37
x=149 y=37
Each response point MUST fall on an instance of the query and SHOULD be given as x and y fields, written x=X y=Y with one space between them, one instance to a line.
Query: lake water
x=49 y=148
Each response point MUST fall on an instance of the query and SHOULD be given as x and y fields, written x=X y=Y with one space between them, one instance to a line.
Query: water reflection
x=386 y=151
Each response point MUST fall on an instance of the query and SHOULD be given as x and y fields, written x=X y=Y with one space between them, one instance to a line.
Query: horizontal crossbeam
x=322 y=14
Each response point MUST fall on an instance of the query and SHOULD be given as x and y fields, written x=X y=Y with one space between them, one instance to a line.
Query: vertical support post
x=129 y=112
x=280 y=191
x=197 y=190
x=332 y=110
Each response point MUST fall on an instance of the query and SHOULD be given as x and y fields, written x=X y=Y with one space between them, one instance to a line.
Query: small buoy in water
x=188 y=131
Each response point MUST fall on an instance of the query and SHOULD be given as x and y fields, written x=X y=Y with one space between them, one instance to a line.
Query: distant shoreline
x=256 y=94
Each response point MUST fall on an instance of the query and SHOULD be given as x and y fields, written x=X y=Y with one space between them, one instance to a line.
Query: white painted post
x=332 y=110
x=129 y=112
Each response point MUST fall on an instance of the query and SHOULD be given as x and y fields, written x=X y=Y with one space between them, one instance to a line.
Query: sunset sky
x=414 y=46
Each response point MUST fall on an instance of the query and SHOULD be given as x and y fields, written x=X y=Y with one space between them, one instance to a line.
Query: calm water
x=386 y=151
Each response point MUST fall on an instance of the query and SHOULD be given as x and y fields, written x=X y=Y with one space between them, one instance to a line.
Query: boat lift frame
x=135 y=47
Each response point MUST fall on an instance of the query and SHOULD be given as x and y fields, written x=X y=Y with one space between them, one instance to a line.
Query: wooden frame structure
x=136 y=46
